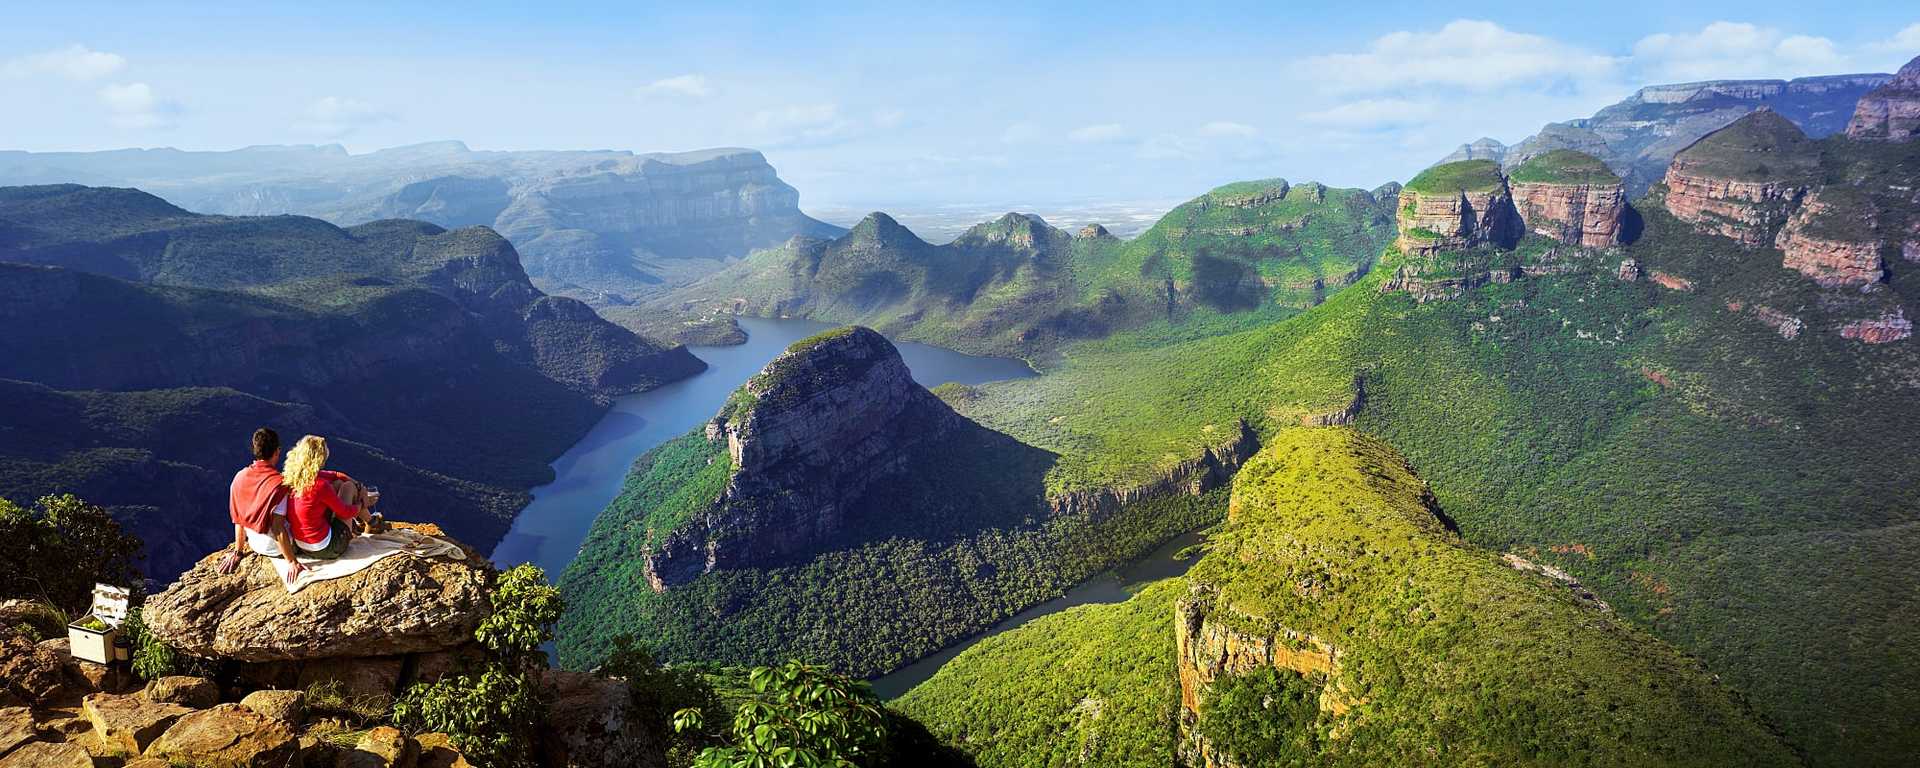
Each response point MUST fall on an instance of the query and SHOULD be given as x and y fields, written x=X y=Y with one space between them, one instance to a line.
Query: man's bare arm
x=278 y=527
x=239 y=550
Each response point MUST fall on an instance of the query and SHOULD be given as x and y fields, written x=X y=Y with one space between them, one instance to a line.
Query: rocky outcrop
x=1831 y=239
x=1670 y=281
x=130 y=723
x=46 y=754
x=1571 y=197
x=1742 y=181
x=1212 y=641
x=196 y=692
x=1890 y=327
x=1629 y=270
x=1454 y=207
x=1890 y=112
x=400 y=605
x=1212 y=469
x=592 y=721
x=1483 y=148
x=227 y=736
x=826 y=419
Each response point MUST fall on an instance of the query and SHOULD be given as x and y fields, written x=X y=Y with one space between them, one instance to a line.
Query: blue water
x=549 y=531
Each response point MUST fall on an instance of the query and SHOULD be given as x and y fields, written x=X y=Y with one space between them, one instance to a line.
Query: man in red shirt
x=257 y=503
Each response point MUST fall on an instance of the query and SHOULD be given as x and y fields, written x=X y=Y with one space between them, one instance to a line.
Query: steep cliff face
x=1832 y=239
x=1456 y=206
x=1890 y=112
x=1742 y=181
x=804 y=440
x=1570 y=196
x=1337 y=612
x=1886 y=328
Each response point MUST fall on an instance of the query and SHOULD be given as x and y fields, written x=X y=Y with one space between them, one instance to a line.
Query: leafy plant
x=491 y=716
x=660 y=691
x=525 y=607
x=796 y=715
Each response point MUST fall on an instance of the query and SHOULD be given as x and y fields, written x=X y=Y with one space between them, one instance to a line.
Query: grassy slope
x=1514 y=670
x=1091 y=685
x=1462 y=176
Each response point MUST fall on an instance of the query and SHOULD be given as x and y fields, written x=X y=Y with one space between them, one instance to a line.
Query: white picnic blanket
x=362 y=552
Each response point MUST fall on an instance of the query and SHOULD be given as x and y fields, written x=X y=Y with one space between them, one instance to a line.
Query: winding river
x=549 y=531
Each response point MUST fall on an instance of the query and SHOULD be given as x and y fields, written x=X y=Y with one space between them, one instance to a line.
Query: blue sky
x=887 y=104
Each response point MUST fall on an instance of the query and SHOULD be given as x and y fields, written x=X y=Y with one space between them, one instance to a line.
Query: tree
x=797 y=715
x=60 y=547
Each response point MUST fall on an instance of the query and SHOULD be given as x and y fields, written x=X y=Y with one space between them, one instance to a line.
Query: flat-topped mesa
x=1892 y=111
x=1249 y=194
x=1570 y=196
x=1743 y=180
x=1832 y=239
x=834 y=414
x=1456 y=206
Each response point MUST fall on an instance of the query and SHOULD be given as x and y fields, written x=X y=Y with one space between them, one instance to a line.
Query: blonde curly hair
x=304 y=463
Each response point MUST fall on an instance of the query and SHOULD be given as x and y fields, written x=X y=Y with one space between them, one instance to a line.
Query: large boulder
x=289 y=707
x=129 y=724
x=592 y=723
x=382 y=747
x=227 y=736
x=400 y=605
x=16 y=728
x=47 y=754
x=30 y=673
x=196 y=692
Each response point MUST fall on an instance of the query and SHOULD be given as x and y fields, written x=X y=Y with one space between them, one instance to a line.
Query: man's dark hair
x=266 y=443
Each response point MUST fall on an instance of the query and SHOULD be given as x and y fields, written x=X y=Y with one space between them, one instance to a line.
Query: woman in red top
x=316 y=515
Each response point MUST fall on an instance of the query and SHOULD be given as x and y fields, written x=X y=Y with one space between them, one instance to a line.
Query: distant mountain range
x=140 y=344
x=594 y=224
x=1639 y=136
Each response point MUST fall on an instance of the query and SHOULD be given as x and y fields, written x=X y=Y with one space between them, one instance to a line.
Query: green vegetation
x=493 y=716
x=1454 y=178
x=62 y=529
x=1564 y=166
x=1091 y=685
x=796 y=715
x=1265 y=717
x=672 y=482
x=1763 y=146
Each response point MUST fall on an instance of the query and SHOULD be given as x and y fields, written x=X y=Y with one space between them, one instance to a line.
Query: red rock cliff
x=1892 y=111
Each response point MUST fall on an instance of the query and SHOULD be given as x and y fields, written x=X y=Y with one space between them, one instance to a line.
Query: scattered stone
x=382 y=747
x=196 y=692
x=377 y=676
x=437 y=751
x=1889 y=327
x=1629 y=270
x=128 y=724
x=32 y=673
x=1671 y=282
x=16 y=728
x=399 y=605
x=47 y=754
x=227 y=736
x=289 y=707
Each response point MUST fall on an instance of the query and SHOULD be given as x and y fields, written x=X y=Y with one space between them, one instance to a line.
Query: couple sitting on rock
x=303 y=508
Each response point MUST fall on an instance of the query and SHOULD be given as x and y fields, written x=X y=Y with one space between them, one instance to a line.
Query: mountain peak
x=1892 y=111
x=879 y=229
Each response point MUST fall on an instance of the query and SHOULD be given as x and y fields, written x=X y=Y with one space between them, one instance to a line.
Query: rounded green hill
x=1564 y=166
x=1463 y=176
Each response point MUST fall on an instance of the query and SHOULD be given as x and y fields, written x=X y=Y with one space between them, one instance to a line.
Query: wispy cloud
x=1372 y=113
x=74 y=62
x=1095 y=134
x=1227 y=128
x=135 y=105
x=683 y=86
x=821 y=124
x=334 y=117
x=1726 y=49
x=1465 y=54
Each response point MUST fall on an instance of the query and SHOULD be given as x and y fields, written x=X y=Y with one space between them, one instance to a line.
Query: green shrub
x=660 y=691
x=796 y=715
x=62 y=529
x=525 y=607
x=1265 y=718
x=492 y=717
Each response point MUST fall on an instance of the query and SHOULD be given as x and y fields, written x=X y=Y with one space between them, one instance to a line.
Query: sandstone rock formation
x=1454 y=207
x=1742 y=181
x=592 y=721
x=1889 y=327
x=1832 y=239
x=287 y=706
x=196 y=692
x=1892 y=111
x=130 y=723
x=827 y=418
x=1571 y=197
x=46 y=754
x=400 y=605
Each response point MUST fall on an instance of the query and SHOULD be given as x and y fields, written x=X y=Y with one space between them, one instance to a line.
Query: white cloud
x=817 y=124
x=1897 y=50
x=1227 y=128
x=1726 y=49
x=1476 y=55
x=134 y=105
x=1372 y=113
x=74 y=62
x=1020 y=133
x=1093 y=134
x=685 y=86
x=334 y=117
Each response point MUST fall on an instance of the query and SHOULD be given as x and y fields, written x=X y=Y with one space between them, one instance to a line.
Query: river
x=548 y=532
